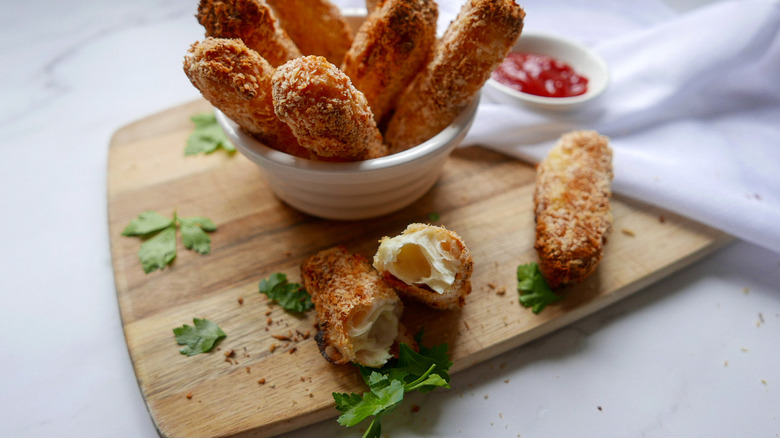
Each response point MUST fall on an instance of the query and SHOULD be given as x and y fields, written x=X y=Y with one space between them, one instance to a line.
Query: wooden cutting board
x=484 y=196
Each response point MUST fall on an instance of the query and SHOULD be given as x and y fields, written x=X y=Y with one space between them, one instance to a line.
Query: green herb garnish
x=533 y=289
x=291 y=296
x=207 y=136
x=159 y=235
x=199 y=339
x=423 y=371
x=433 y=216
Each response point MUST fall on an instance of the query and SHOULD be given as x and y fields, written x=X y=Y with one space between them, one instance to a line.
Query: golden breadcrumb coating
x=474 y=44
x=316 y=26
x=571 y=200
x=390 y=48
x=237 y=80
x=345 y=290
x=326 y=113
x=427 y=263
x=253 y=22
x=373 y=4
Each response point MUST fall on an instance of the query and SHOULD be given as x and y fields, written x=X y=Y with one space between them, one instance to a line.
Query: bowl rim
x=266 y=156
x=590 y=94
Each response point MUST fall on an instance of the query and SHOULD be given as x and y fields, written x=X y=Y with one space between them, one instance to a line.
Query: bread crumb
x=240 y=300
x=628 y=232
x=189 y=395
x=261 y=381
x=248 y=370
x=662 y=219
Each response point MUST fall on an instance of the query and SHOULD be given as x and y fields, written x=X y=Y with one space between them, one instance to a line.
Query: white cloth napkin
x=693 y=114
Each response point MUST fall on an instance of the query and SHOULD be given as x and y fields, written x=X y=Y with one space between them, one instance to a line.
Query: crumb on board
x=230 y=353
x=240 y=300
x=261 y=381
x=628 y=232
x=248 y=370
x=501 y=290
x=293 y=350
x=189 y=396
x=272 y=347
x=661 y=219
x=491 y=285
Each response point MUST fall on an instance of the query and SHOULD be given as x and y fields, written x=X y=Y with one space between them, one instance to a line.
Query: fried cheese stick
x=237 y=80
x=253 y=22
x=372 y=4
x=390 y=48
x=474 y=44
x=427 y=263
x=571 y=203
x=326 y=113
x=357 y=312
x=316 y=26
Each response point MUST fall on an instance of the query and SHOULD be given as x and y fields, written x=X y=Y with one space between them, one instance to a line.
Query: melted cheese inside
x=373 y=331
x=421 y=256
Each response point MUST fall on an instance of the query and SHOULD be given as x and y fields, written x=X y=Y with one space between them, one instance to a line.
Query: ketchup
x=540 y=75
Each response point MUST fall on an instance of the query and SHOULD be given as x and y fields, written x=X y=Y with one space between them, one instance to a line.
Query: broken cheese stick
x=326 y=113
x=237 y=81
x=390 y=48
x=428 y=263
x=474 y=44
x=251 y=21
x=571 y=204
x=357 y=313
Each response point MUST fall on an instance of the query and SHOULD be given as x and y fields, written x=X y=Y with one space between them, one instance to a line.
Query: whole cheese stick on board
x=251 y=21
x=474 y=44
x=316 y=26
x=572 y=207
x=390 y=48
x=357 y=313
x=428 y=263
x=237 y=80
x=326 y=113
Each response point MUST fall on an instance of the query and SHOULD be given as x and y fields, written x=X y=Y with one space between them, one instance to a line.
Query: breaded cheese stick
x=428 y=263
x=571 y=202
x=237 y=80
x=474 y=44
x=316 y=26
x=326 y=113
x=253 y=22
x=357 y=313
x=390 y=48
x=371 y=5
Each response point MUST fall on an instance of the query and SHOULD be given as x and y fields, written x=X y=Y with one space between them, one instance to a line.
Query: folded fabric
x=693 y=114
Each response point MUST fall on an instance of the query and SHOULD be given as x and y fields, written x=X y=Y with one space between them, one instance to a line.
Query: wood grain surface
x=484 y=196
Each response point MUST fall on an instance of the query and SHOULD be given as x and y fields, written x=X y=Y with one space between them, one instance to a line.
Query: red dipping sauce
x=540 y=75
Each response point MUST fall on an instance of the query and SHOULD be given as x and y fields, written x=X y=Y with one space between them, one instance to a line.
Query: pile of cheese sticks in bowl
x=298 y=90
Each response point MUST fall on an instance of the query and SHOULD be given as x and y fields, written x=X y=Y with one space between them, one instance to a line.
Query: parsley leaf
x=423 y=371
x=159 y=250
x=533 y=289
x=147 y=222
x=159 y=235
x=207 y=136
x=198 y=339
x=291 y=296
x=193 y=233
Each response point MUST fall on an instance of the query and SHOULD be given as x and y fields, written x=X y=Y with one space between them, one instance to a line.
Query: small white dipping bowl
x=354 y=190
x=582 y=59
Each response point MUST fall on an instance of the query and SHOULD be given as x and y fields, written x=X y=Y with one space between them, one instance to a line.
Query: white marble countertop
x=694 y=355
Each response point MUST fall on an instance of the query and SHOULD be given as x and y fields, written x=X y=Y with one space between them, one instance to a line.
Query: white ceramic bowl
x=356 y=190
x=582 y=59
